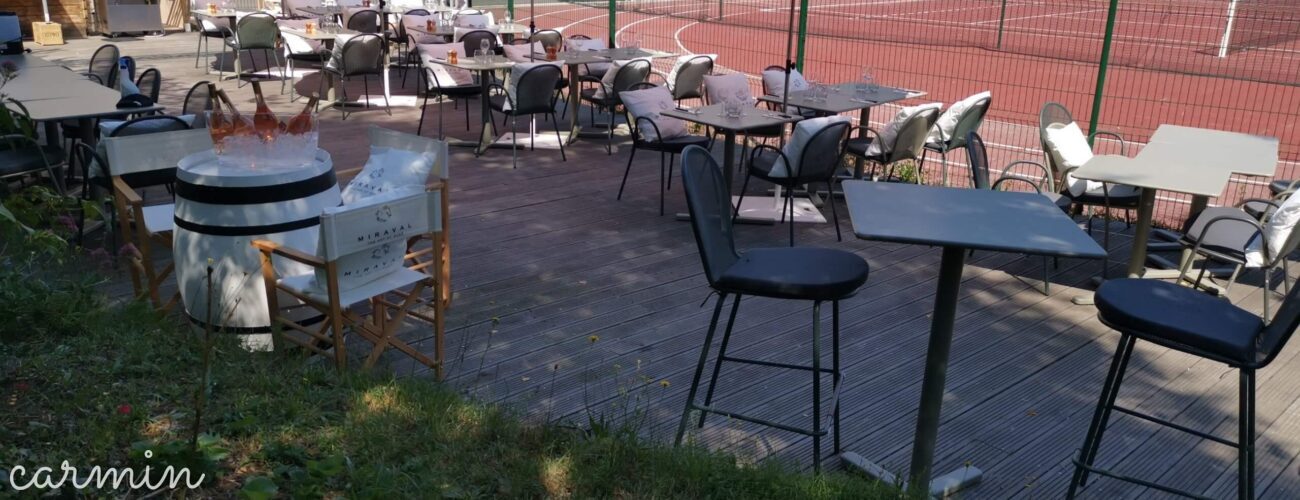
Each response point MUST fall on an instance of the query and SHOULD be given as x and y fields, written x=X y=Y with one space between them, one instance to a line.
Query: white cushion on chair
x=1070 y=149
x=1277 y=229
x=803 y=132
x=721 y=88
x=650 y=103
x=447 y=76
x=889 y=133
x=947 y=123
x=390 y=168
x=306 y=284
x=774 y=81
x=160 y=218
x=522 y=53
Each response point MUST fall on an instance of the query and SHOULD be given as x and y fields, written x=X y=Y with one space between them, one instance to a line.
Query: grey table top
x=843 y=97
x=468 y=62
x=447 y=30
x=28 y=61
x=54 y=93
x=711 y=116
x=1187 y=160
x=220 y=14
x=978 y=219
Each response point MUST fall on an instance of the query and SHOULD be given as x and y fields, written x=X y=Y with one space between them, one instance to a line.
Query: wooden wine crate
x=47 y=33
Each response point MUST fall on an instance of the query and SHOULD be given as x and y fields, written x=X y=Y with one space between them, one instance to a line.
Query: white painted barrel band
x=226 y=195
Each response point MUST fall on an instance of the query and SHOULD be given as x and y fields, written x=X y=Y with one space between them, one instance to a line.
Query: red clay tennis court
x=1165 y=64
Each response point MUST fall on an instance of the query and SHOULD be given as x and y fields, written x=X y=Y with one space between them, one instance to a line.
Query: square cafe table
x=52 y=93
x=485 y=70
x=959 y=220
x=846 y=97
x=507 y=31
x=1185 y=160
x=756 y=208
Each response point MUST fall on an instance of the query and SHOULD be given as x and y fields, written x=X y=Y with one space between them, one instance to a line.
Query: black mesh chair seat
x=472 y=89
x=28 y=159
x=762 y=165
x=673 y=145
x=590 y=95
x=795 y=273
x=1098 y=197
x=1063 y=202
x=1256 y=209
x=1279 y=186
x=1179 y=318
x=1227 y=241
x=859 y=145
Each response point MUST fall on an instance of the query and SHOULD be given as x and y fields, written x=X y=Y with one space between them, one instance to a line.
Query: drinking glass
x=509 y=19
x=731 y=108
x=485 y=48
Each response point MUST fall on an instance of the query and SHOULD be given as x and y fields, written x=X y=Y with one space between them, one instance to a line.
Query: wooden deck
x=571 y=305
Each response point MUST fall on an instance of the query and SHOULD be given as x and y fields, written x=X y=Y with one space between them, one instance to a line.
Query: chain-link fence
x=1222 y=64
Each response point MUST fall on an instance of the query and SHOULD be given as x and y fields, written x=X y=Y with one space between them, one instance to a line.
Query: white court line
x=580 y=21
x=1089 y=11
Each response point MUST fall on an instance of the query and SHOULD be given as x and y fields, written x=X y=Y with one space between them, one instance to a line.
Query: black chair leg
x=1246 y=436
x=835 y=367
x=722 y=352
x=789 y=201
x=672 y=158
x=817 y=382
x=558 y=137
x=662 y=168
x=423 y=107
x=741 y=200
x=699 y=370
x=835 y=213
x=1109 y=391
x=625 y=172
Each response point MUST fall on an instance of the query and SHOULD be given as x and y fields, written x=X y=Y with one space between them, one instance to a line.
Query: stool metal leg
x=817 y=384
x=722 y=353
x=835 y=366
x=1246 y=436
x=699 y=369
x=1109 y=390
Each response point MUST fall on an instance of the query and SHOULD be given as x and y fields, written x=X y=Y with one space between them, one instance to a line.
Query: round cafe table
x=219 y=210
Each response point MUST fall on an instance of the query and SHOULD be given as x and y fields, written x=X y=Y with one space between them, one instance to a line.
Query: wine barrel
x=219 y=210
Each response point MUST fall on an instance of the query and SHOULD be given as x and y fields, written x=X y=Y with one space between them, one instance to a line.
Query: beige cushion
x=1277 y=229
x=523 y=53
x=447 y=76
x=889 y=133
x=516 y=72
x=586 y=45
x=1070 y=149
x=650 y=103
x=947 y=123
x=721 y=88
x=607 y=81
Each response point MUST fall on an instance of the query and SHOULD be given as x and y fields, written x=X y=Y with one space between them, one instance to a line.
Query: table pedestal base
x=940 y=487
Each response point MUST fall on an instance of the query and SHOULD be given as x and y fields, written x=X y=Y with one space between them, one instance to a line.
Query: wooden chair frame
x=145 y=278
x=387 y=310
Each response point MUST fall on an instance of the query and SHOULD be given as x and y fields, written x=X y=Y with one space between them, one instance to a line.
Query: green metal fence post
x=510 y=7
x=1002 y=19
x=613 y=21
x=1101 y=69
x=803 y=34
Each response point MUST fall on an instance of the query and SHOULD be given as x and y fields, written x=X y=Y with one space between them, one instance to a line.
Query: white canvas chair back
x=135 y=154
x=367 y=240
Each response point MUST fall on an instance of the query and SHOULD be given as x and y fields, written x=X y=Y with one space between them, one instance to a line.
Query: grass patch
x=105 y=383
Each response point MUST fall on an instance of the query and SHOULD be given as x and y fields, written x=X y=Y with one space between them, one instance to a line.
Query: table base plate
x=940 y=487
x=766 y=210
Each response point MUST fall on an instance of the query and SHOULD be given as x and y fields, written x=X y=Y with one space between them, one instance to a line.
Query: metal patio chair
x=968 y=123
x=673 y=146
x=254 y=32
x=907 y=145
x=363 y=56
x=1225 y=234
x=1188 y=321
x=533 y=95
x=812 y=274
x=634 y=72
x=817 y=163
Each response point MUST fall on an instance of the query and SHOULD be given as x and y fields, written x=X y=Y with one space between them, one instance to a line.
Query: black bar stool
x=803 y=273
x=1189 y=321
